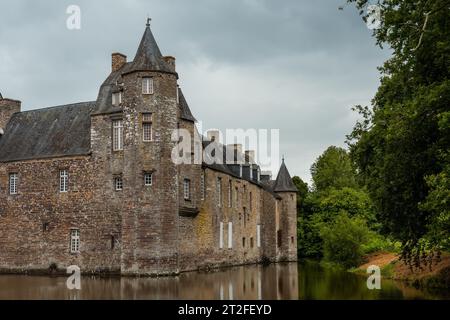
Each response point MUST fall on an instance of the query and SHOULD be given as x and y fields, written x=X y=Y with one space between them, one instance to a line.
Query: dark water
x=306 y=280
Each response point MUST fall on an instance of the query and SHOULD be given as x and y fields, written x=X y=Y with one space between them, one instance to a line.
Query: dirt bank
x=438 y=275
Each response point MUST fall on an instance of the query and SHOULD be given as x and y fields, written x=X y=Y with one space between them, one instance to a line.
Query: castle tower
x=287 y=230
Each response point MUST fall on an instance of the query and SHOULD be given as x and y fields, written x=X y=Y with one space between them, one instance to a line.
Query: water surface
x=306 y=280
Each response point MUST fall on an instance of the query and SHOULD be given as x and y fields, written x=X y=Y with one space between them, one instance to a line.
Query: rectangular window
x=118 y=183
x=236 y=197
x=251 y=242
x=202 y=185
x=221 y=235
x=63 y=181
x=258 y=235
x=243 y=242
x=147 y=85
x=219 y=192
x=230 y=235
x=13 y=182
x=148 y=179
x=230 y=195
x=117 y=135
x=147 y=127
x=251 y=200
x=116 y=98
x=74 y=241
x=279 y=238
x=187 y=189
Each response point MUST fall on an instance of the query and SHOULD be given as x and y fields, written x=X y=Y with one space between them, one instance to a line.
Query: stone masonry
x=93 y=184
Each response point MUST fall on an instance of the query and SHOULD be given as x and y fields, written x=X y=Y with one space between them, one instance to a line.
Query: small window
x=219 y=192
x=187 y=189
x=258 y=235
x=221 y=235
x=243 y=242
x=236 y=197
x=230 y=235
x=117 y=135
x=74 y=241
x=147 y=85
x=148 y=179
x=147 y=127
x=63 y=181
x=113 y=242
x=292 y=240
x=13 y=182
x=251 y=200
x=202 y=185
x=251 y=243
x=116 y=98
x=118 y=183
x=279 y=238
x=230 y=194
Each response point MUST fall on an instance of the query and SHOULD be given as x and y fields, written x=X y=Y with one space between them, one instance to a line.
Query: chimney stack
x=171 y=62
x=118 y=60
x=7 y=108
x=213 y=135
x=250 y=155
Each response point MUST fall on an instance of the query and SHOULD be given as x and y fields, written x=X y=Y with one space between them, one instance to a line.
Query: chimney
x=7 y=108
x=213 y=135
x=266 y=175
x=171 y=62
x=118 y=60
x=250 y=155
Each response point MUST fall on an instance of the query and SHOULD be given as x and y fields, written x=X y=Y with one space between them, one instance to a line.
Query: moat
x=306 y=280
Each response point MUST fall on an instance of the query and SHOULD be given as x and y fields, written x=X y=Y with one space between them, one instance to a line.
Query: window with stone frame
x=147 y=121
x=13 y=183
x=230 y=194
x=187 y=189
x=148 y=179
x=219 y=192
x=63 y=181
x=118 y=183
x=75 y=241
x=117 y=98
x=203 y=185
x=117 y=135
x=147 y=85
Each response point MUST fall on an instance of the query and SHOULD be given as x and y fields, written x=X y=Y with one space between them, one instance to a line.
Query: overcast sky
x=293 y=65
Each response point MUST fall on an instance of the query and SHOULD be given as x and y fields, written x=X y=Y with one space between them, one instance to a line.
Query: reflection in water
x=278 y=281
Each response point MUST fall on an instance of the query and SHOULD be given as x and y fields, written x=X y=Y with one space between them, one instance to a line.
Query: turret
x=287 y=232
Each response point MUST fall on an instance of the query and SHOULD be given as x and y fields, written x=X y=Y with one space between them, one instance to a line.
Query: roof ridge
x=60 y=106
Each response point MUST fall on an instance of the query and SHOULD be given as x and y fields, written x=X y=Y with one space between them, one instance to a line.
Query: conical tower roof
x=148 y=56
x=284 y=183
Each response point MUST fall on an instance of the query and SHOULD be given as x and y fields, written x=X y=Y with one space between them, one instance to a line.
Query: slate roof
x=50 y=132
x=148 y=56
x=284 y=183
x=185 y=111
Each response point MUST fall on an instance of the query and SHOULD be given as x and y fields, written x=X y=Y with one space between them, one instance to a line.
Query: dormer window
x=147 y=85
x=116 y=98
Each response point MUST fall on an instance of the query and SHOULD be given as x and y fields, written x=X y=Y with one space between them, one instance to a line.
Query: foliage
x=333 y=169
x=400 y=146
x=302 y=191
x=343 y=240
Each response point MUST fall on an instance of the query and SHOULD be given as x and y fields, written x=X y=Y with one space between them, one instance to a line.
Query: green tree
x=343 y=240
x=333 y=169
x=302 y=191
x=398 y=146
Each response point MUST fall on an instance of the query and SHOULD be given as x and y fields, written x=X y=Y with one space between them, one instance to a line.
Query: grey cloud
x=294 y=65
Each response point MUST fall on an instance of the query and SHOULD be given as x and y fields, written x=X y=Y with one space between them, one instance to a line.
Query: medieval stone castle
x=93 y=184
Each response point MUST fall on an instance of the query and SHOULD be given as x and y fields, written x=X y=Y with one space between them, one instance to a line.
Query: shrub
x=343 y=240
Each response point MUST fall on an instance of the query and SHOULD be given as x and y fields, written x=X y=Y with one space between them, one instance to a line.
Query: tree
x=333 y=169
x=343 y=240
x=302 y=191
x=399 y=145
